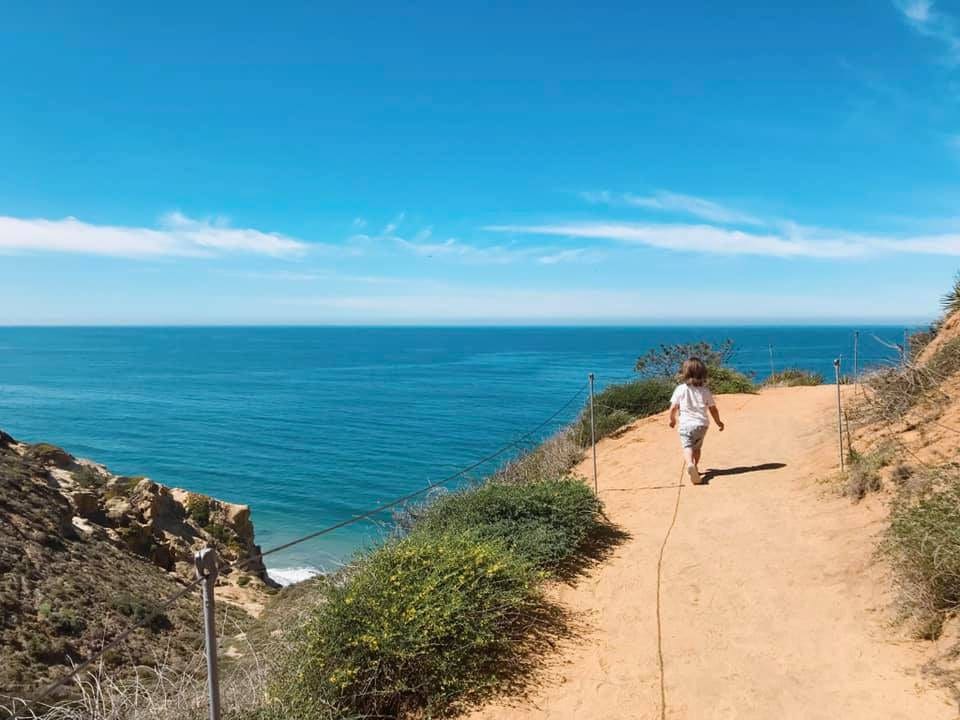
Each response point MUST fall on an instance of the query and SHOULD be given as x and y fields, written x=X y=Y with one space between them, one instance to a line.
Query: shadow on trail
x=603 y=539
x=740 y=470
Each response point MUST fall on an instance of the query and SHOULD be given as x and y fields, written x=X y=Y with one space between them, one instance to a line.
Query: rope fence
x=208 y=568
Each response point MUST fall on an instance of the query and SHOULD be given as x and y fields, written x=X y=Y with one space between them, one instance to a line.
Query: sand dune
x=772 y=605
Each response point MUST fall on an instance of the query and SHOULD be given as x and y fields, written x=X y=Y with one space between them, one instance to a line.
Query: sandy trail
x=772 y=606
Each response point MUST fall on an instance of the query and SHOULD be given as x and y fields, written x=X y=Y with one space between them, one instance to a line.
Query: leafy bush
x=219 y=532
x=617 y=405
x=544 y=523
x=63 y=620
x=140 y=610
x=923 y=546
x=416 y=625
x=792 y=377
x=199 y=509
x=723 y=381
x=665 y=361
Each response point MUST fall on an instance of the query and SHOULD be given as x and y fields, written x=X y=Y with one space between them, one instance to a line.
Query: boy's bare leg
x=690 y=456
x=696 y=457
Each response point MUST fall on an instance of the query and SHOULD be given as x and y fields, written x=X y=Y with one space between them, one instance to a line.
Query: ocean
x=311 y=425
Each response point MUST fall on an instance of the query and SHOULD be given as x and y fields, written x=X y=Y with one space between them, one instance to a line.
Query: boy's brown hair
x=693 y=372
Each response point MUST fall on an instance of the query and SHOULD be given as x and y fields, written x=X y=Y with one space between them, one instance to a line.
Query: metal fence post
x=593 y=439
x=836 y=368
x=856 y=354
x=206 y=564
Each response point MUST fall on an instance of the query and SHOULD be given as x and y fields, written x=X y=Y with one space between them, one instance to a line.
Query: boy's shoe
x=693 y=474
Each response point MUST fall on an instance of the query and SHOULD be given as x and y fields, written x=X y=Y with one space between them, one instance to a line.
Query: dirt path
x=771 y=605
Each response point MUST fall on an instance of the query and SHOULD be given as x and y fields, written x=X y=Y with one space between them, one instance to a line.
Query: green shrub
x=219 y=532
x=63 y=621
x=416 y=625
x=618 y=405
x=724 y=380
x=243 y=580
x=199 y=509
x=544 y=522
x=140 y=610
x=793 y=377
x=923 y=546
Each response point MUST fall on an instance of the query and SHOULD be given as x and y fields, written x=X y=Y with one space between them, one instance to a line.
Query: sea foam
x=289 y=576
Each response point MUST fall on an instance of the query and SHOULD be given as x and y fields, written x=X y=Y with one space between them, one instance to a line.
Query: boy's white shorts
x=692 y=437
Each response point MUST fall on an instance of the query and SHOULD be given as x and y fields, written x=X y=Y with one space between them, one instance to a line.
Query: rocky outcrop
x=83 y=552
x=164 y=525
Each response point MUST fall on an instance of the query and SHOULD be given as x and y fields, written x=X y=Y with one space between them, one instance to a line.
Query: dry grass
x=551 y=459
x=863 y=473
x=923 y=547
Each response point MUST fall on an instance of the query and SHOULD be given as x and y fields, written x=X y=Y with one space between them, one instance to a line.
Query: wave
x=289 y=576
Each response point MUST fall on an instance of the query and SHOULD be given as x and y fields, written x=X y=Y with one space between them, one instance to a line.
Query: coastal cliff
x=85 y=552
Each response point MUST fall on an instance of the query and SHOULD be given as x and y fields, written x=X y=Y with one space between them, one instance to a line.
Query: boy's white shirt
x=693 y=403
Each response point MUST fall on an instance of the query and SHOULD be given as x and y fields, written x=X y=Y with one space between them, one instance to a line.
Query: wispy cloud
x=176 y=235
x=671 y=202
x=923 y=16
x=791 y=240
x=423 y=244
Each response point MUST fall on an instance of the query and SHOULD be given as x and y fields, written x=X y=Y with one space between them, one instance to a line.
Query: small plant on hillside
x=140 y=610
x=218 y=532
x=199 y=509
x=951 y=299
x=862 y=475
x=923 y=547
x=792 y=377
x=544 y=522
x=415 y=627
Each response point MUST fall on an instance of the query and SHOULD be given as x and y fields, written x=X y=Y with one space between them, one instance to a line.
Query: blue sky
x=478 y=162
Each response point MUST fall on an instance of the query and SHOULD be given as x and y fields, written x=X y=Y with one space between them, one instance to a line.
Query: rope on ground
x=663 y=546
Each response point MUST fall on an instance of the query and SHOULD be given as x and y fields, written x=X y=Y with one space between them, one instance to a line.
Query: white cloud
x=665 y=201
x=176 y=235
x=923 y=17
x=791 y=241
x=359 y=223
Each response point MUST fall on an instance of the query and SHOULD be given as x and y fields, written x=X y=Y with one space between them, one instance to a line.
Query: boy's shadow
x=741 y=470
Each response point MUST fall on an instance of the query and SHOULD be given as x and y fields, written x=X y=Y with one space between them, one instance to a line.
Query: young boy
x=692 y=399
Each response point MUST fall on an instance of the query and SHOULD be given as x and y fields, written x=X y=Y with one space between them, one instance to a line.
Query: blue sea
x=309 y=425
